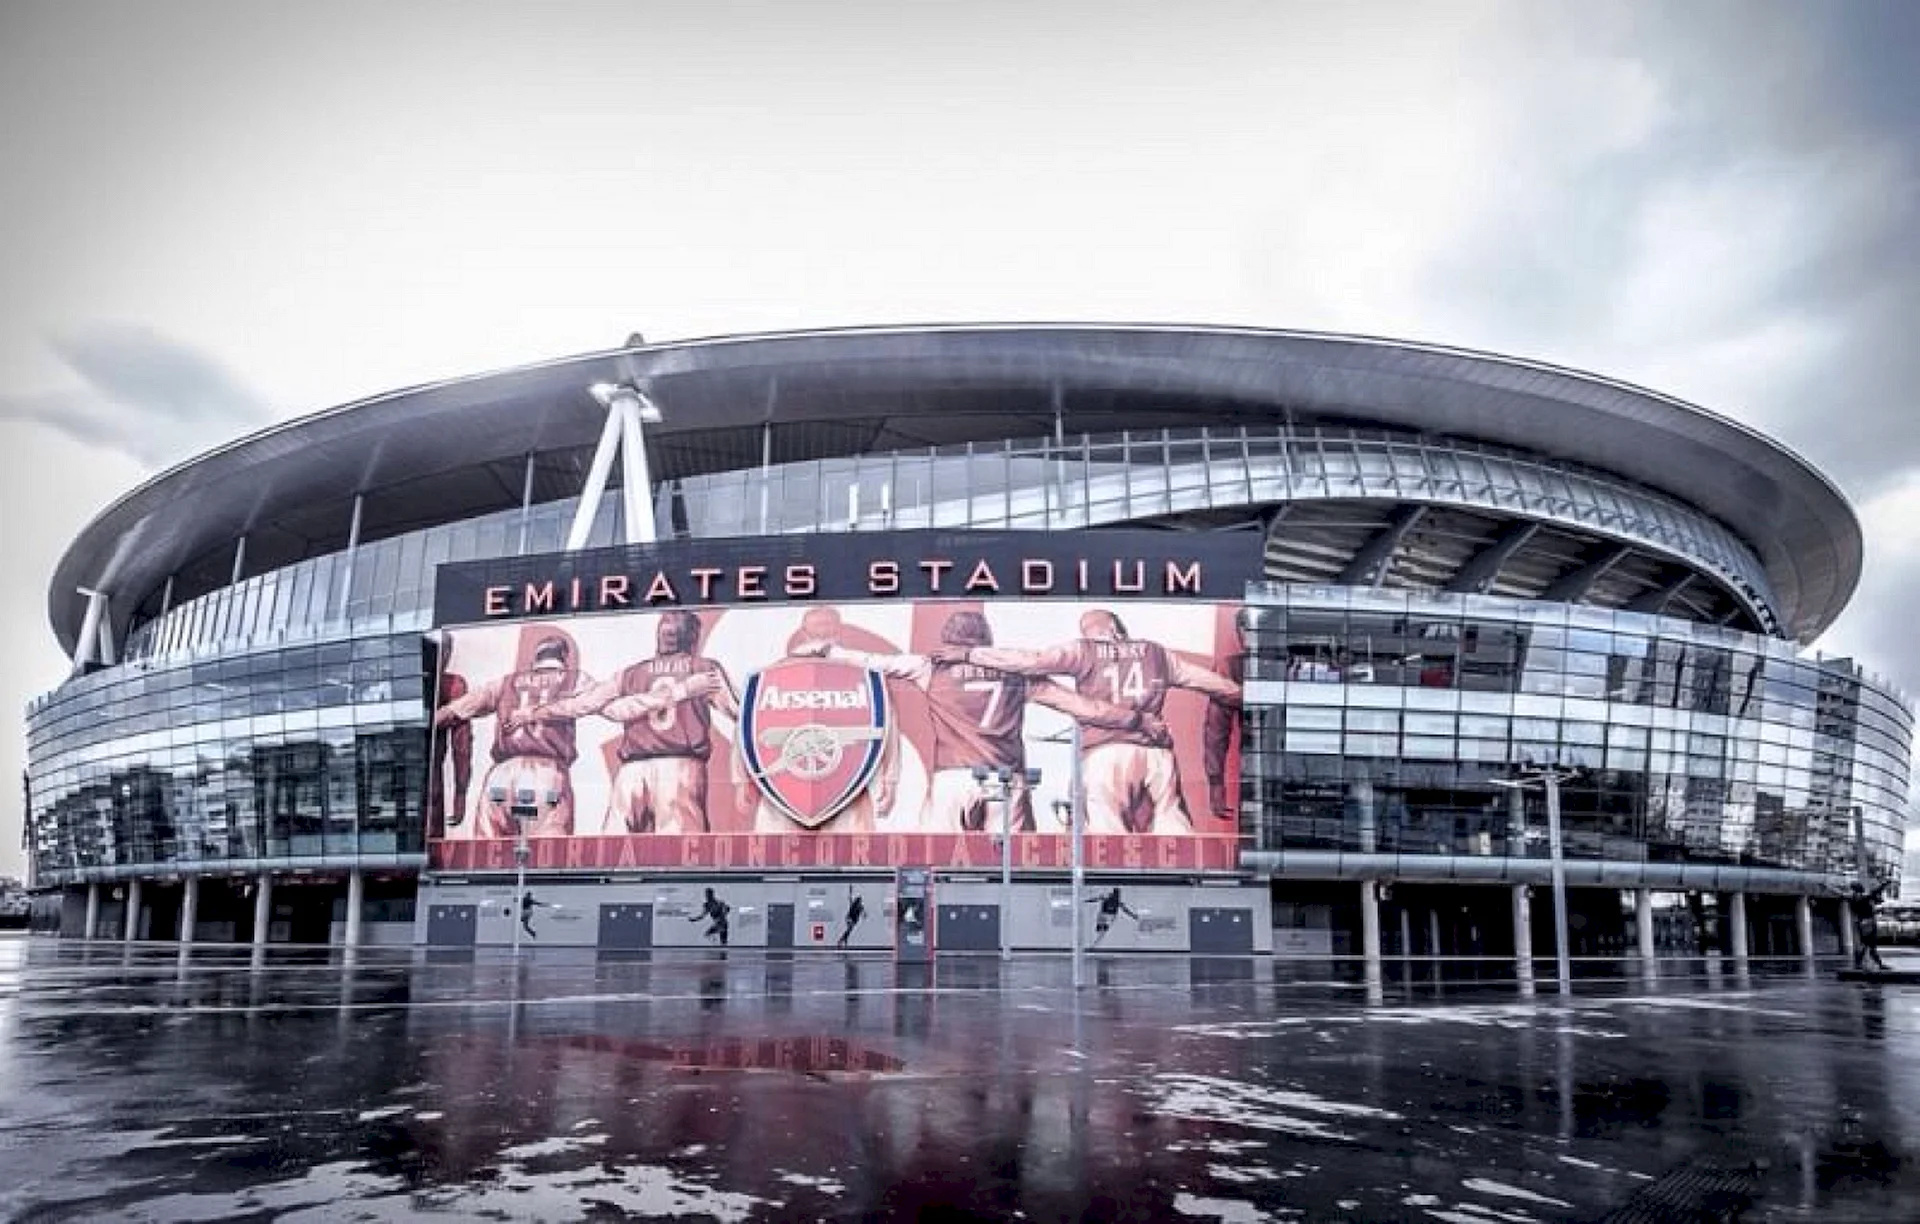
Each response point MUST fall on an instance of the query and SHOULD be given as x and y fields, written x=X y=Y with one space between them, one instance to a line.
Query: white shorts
x=508 y=782
x=1133 y=789
x=659 y=795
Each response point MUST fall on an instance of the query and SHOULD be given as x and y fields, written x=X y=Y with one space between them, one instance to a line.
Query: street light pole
x=520 y=878
x=1006 y=866
x=1077 y=802
x=1549 y=779
x=1562 y=962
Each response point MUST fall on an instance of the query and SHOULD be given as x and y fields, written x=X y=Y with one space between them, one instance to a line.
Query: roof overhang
x=953 y=384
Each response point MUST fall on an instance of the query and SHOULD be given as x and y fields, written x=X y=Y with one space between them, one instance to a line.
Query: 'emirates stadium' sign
x=903 y=565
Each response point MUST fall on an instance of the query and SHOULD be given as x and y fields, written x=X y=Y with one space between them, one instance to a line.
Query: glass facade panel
x=1649 y=712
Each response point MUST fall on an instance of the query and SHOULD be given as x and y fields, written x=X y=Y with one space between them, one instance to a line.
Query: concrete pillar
x=133 y=910
x=262 y=909
x=1364 y=801
x=1737 y=926
x=1803 y=925
x=1846 y=931
x=356 y=900
x=189 y=909
x=1433 y=945
x=1516 y=822
x=1370 y=933
x=93 y=912
x=1643 y=923
x=1523 y=937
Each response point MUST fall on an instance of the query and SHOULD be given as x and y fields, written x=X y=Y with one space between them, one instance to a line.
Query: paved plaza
x=141 y=1085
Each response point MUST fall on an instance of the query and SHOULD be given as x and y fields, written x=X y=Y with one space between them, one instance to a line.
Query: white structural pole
x=189 y=909
x=86 y=647
x=1006 y=866
x=1737 y=922
x=93 y=912
x=636 y=493
x=1523 y=937
x=1563 y=961
x=596 y=487
x=132 y=924
x=1077 y=801
x=356 y=901
x=1846 y=933
x=262 y=908
x=1643 y=924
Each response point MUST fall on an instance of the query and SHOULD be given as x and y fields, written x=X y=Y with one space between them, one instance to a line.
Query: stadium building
x=710 y=639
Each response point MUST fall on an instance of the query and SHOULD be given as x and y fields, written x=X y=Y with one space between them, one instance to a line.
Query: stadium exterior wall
x=1428 y=614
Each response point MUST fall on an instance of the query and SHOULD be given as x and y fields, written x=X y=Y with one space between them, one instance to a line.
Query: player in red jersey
x=1216 y=736
x=978 y=717
x=452 y=756
x=532 y=758
x=1132 y=781
x=665 y=708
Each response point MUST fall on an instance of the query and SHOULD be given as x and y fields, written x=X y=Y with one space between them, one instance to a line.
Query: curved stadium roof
x=846 y=391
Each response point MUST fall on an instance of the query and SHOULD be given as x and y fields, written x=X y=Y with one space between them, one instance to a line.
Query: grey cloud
x=1815 y=107
x=146 y=396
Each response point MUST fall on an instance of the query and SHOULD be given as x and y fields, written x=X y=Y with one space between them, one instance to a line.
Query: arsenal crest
x=812 y=732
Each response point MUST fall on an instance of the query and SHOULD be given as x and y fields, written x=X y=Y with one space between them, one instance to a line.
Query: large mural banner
x=845 y=734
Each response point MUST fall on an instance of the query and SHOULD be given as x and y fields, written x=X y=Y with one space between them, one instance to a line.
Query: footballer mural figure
x=1132 y=778
x=665 y=707
x=452 y=753
x=532 y=757
x=978 y=716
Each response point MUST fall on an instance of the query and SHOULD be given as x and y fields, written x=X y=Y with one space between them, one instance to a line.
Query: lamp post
x=1074 y=810
x=997 y=785
x=521 y=814
x=1549 y=778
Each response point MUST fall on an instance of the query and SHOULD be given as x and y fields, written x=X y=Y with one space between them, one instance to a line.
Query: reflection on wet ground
x=140 y=1085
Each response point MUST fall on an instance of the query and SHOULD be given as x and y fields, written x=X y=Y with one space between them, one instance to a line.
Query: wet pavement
x=139 y=1085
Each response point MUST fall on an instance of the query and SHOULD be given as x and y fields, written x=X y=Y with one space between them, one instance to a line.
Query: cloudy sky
x=213 y=216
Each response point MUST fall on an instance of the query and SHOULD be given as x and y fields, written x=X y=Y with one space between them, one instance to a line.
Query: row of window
x=1030 y=483
x=354 y=793
x=1295 y=801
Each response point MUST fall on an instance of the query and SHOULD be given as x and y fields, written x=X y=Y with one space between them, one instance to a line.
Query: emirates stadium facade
x=1299 y=624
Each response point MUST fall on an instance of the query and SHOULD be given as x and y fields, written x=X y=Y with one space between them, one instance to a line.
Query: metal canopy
x=413 y=453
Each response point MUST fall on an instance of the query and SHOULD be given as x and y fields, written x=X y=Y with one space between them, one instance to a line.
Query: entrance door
x=627 y=927
x=780 y=924
x=1221 y=932
x=968 y=928
x=451 y=926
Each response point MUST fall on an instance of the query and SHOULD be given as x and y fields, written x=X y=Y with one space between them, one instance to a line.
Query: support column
x=1846 y=931
x=356 y=900
x=262 y=909
x=1363 y=796
x=133 y=910
x=1803 y=925
x=93 y=912
x=189 y=909
x=1433 y=946
x=1737 y=926
x=1516 y=822
x=1370 y=934
x=1406 y=946
x=1643 y=923
x=1523 y=937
